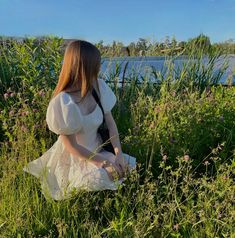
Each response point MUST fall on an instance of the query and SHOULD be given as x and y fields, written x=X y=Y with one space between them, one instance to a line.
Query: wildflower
x=11 y=113
x=157 y=109
x=24 y=128
x=206 y=162
x=41 y=93
x=35 y=110
x=225 y=177
x=37 y=126
x=12 y=94
x=176 y=227
x=6 y=95
x=24 y=113
x=186 y=158
x=164 y=157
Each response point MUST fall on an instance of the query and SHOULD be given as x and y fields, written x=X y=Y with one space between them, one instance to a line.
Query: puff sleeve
x=63 y=116
x=107 y=97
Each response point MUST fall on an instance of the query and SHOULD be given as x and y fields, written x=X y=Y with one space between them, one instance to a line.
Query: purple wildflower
x=41 y=93
x=6 y=95
x=24 y=128
x=206 y=162
x=176 y=227
x=186 y=157
x=24 y=113
x=11 y=113
x=164 y=157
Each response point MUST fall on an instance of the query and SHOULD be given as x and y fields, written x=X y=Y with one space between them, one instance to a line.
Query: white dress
x=60 y=173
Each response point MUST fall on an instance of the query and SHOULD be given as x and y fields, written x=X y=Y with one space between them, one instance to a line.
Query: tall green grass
x=181 y=131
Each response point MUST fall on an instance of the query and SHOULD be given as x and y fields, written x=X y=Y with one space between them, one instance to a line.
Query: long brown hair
x=81 y=63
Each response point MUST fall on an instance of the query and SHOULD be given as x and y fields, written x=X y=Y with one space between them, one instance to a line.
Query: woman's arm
x=84 y=154
x=120 y=161
x=76 y=149
x=113 y=133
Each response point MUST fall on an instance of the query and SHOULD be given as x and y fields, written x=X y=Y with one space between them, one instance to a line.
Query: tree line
x=145 y=47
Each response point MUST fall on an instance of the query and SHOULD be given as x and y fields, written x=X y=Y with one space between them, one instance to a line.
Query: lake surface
x=143 y=66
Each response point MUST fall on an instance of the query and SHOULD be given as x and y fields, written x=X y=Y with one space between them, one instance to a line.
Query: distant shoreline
x=153 y=58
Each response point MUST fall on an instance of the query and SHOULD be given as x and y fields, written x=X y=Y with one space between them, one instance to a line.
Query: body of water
x=143 y=66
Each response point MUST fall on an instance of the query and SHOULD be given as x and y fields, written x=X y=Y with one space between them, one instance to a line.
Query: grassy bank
x=182 y=133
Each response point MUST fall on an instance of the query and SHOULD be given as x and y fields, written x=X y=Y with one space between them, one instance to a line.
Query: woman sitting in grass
x=77 y=160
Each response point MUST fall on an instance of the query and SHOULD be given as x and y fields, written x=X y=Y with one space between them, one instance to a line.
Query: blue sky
x=120 y=20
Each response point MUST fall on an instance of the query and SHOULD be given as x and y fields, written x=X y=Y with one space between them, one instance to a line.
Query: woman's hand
x=113 y=170
x=121 y=162
x=98 y=164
